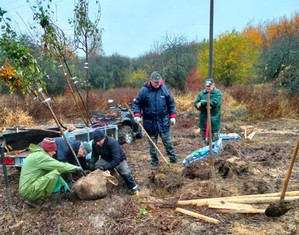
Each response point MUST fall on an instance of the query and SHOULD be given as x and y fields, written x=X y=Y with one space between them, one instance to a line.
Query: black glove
x=91 y=167
x=101 y=168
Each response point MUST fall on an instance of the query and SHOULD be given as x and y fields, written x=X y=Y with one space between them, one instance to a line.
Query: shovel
x=148 y=136
x=280 y=208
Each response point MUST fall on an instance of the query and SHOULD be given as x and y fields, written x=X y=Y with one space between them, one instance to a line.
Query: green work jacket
x=40 y=173
x=215 y=104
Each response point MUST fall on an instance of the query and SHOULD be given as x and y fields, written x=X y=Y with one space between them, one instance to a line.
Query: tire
x=125 y=135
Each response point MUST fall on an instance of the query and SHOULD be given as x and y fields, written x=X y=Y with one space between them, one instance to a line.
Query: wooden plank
x=198 y=216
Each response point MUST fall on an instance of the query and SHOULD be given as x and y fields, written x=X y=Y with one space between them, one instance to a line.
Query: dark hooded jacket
x=63 y=153
x=156 y=107
x=110 y=152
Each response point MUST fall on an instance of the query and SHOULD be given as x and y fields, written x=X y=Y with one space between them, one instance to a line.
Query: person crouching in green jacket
x=40 y=175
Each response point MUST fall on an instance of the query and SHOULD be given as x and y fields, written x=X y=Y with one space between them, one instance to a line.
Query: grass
x=258 y=103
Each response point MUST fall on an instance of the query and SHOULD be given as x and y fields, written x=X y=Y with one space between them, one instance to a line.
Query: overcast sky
x=132 y=27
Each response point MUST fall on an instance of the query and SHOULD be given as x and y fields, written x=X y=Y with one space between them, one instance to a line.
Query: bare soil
x=243 y=167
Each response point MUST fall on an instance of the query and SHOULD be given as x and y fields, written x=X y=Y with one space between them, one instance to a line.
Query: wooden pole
x=195 y=201
x=242 y=211
x=212 y=167
x=198 y=216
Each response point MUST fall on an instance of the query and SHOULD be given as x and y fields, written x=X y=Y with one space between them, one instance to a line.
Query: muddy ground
x=243 y=167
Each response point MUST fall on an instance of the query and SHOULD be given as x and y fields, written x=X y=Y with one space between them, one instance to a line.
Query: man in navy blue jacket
x=64 y=154
x=155 y=105
x=107 y=154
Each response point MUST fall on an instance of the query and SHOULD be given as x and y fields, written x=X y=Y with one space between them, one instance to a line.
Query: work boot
x=53 y=201
x=154 y=166
x=35 y=203
x=55 y=198
x=135 y=191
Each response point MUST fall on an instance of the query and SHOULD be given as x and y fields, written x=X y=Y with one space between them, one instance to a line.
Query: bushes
x=260 y=103
x=263 y=102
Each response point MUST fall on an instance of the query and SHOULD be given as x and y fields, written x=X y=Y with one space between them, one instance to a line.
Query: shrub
x=15 y=117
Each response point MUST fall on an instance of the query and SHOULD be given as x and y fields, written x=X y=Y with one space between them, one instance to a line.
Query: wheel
x=125 y=135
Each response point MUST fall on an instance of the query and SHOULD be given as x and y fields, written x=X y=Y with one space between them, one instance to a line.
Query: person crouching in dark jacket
x=107 y=154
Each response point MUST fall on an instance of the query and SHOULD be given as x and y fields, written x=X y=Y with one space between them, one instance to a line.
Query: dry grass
x=15 y=117
x=184 y=102
x=255 y=102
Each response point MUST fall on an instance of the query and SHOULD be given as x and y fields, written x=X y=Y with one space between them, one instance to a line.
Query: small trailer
x=18 y=140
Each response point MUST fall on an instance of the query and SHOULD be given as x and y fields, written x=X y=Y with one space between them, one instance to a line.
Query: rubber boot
x=53 y=202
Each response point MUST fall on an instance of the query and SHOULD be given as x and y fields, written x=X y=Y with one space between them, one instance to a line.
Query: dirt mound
x=243 y=167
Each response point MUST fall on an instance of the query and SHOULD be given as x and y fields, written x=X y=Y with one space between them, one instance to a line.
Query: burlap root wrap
x=94 y=185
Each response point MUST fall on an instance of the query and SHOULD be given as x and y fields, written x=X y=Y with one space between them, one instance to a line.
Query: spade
x=281 y=207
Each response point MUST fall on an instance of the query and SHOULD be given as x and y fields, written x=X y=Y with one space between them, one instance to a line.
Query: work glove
x=66 y=188
x=203 y=102
x=91 y=167
x=80 y=169
x=198 y=105
x=137 y=119
x=172 y=121
x=101 y=168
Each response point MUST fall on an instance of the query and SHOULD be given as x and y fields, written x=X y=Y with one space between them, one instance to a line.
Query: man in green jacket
x=215 y=103
x=40 y=175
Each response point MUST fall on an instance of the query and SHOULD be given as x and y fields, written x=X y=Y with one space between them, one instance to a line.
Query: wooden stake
x=243 y=211
x=195 y=201
x=198 y=216
x=260 y=200
x=229 y=205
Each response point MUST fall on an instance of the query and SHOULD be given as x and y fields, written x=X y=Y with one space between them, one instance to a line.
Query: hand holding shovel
x=142 y=128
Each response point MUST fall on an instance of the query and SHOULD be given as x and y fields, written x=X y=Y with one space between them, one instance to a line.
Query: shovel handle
x=287 y=177
x=142 y=128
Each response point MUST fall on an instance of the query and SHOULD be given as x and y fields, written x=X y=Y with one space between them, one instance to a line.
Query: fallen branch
x=198 y=216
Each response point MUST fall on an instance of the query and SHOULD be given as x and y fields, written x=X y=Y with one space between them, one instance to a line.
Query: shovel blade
x=277 y=209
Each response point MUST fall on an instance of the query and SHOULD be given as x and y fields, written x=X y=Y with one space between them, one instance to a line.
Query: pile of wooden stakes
x=234 y=204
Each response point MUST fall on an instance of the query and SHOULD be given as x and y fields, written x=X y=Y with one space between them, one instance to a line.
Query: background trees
x=266 y=53
x=279 y=60
x=234 y=59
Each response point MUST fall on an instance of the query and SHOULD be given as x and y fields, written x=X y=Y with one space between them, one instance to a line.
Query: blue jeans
x=168 y=144
x=124 y=171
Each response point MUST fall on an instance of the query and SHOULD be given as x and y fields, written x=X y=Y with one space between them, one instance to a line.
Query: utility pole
x=210 y=75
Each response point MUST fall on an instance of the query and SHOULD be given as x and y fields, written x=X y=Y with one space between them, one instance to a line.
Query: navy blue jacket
x=156 y=106
x=110 y=152
x=63 y=152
